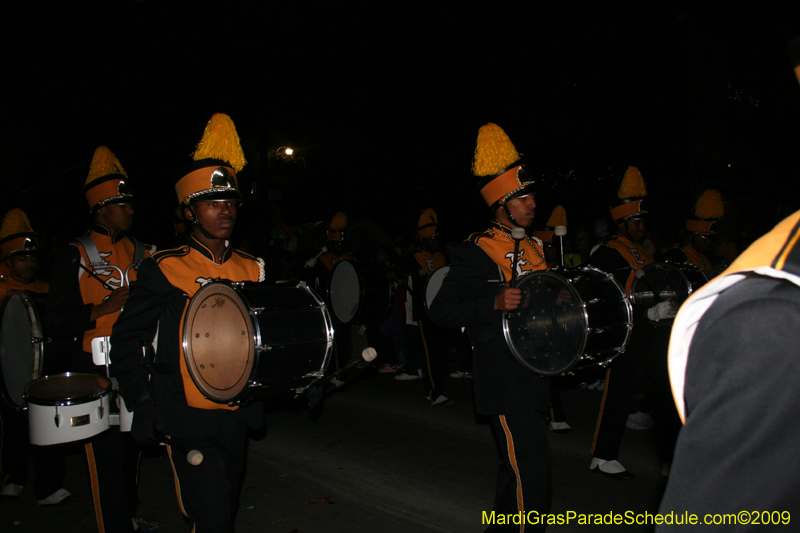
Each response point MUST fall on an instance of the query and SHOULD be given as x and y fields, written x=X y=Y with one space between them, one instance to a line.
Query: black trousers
x=208 y=494
x=48 y=461
x=525 y=479
x=113 y=459
x=644 y=362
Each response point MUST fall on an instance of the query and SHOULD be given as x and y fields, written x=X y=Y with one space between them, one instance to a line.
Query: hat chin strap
x=197 y=224
x=510 y=216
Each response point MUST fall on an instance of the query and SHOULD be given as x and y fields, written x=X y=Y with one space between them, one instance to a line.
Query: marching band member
x=161 y=393
x=422 y=336
x=475 y=295
x=622 y=255
x=733 y=357
x=318 y=272
x=19 y=250
x=699 y=233
x=87 y=291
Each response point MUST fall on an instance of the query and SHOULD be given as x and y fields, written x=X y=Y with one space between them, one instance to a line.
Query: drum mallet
x=517 y=234
x=193 y=457
x=368 y=354
x=560 y=232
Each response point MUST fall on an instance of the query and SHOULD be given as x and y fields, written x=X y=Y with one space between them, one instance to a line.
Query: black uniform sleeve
x=136 y=327
x=738 y=449
x=67 y=315
x=609 y=260
x=467 y=294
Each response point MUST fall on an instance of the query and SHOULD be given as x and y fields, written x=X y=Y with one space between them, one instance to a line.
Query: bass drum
x=22 y=342
x=245 y=341
x=433 y=284
x=571 y=318
x=660 y=282
x=67 y=407
x=359 y=293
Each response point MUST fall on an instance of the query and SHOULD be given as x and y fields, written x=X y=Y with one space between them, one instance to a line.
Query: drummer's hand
x=508 y=298
x=143 y=427
x=112 y=304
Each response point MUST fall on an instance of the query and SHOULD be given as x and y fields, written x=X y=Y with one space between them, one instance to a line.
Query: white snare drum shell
x=82 y=412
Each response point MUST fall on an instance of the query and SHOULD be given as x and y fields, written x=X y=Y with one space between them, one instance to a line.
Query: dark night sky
x=384 y=102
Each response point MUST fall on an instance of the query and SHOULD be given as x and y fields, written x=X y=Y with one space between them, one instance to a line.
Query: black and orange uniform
x=426 y=346
x=158 y=386
x=516 y=398
x=645 y=355
x=114 y=457
x=733 y=345
x=10 y=284
x=208 y=493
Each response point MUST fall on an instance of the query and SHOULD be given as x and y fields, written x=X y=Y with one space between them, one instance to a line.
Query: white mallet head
x=518 y=233
x=369 y=354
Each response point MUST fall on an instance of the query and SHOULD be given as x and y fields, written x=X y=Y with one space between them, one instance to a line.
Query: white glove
x=662 y=311
x=310 y=263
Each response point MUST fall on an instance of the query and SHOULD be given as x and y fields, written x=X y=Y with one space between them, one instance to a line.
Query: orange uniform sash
x=634 y=253
x=499 y=246
x=430 y=262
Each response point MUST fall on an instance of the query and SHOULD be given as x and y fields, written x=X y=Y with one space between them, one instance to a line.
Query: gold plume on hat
x=494 y=151
x=709 y=205
x=15 y=221
x=104 y=162
x=220 y=141
x=632 y=185
x=339 y=221
x=558 y=217
x=428 y=217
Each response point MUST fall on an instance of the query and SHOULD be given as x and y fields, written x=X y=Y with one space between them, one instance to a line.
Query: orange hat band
x=203 y=181
x=502 y=185
x=627 y=210
x=426 y=231
x=103 y=191
x=22 y=242
x=699 y=226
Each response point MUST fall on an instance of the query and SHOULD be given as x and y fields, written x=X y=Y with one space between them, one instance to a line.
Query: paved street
x=377 y=458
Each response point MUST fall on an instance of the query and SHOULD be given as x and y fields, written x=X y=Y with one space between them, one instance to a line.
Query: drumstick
x=193 y=457
x=517 y=234
x=95 y=276
x=368 y=354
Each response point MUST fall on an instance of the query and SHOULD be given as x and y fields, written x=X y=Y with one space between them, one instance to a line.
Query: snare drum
x=21 y=345
x=434 y=283
x=67 y=407
x=671 y=282
x=246 y=341
x=574 y=317
x=359 y=293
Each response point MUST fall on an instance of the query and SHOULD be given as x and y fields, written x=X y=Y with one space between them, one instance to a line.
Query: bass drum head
x=434 y=285
x=345 y=292
x=547 y=333
x=219 y=342
x=20 y=347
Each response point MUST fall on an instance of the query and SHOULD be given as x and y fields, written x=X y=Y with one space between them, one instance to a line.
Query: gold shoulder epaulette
x=171 y=252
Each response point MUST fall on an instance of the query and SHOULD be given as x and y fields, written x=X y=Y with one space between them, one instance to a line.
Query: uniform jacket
x=466 y=299
x=157 y=303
